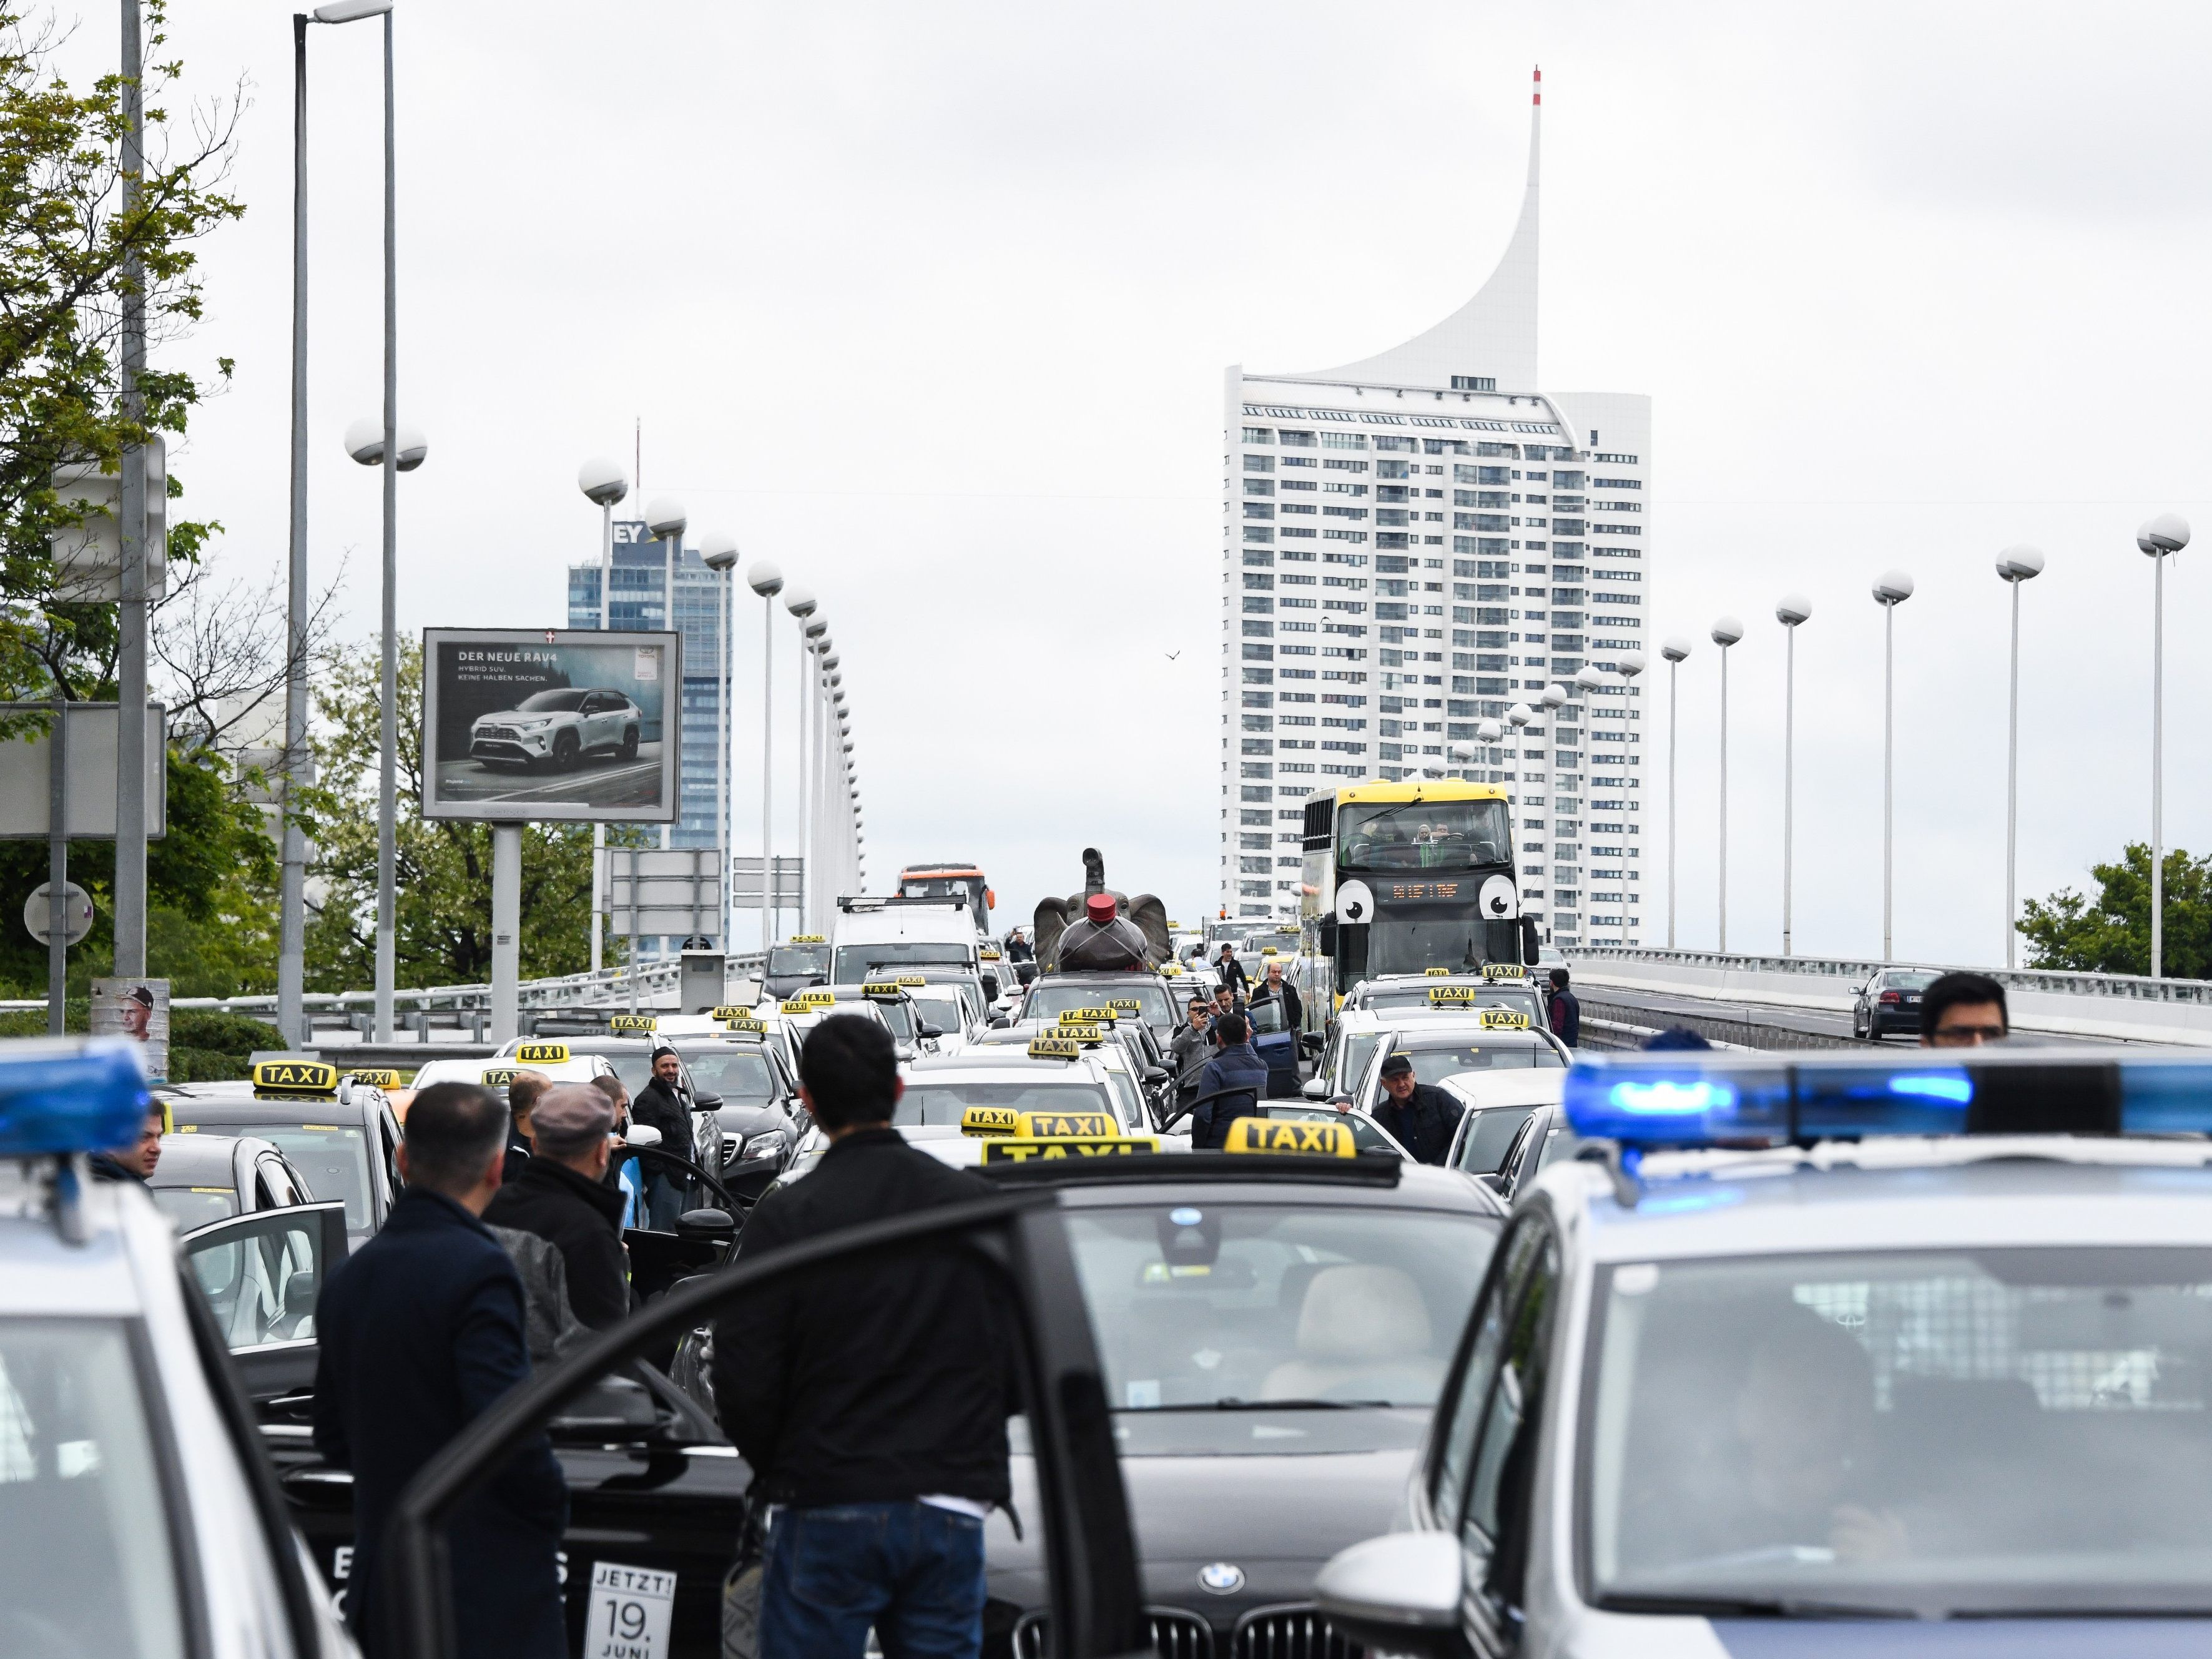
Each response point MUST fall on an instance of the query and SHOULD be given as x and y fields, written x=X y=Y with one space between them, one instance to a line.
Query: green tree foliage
x=444 y=874
x=67 y=244
x=211 y=895
x=2111 y=934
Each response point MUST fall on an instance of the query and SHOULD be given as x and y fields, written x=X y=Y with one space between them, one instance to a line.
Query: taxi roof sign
x=1015 y=1148
x=1067 y=1126
x=498 y=1077
x=296 y=1077
x=731 y=1011
x=990 y=1121
x=1454 y=993
x=1314 y=1137
x=818 y=997
x=885 y=989
x=806 y=939
x=790 y=1005
x=1505 y=1019
x=1055 y=1048
x=69 y=1096
x=1118 y=1004
x=912 y=979
x=541 y=1053
x=1090 y=1036
x=1504 y=970
x=747 y=1023
x=632 y=1022
x=988 y=956
x=375 y=1077
x=1100 y=1016
x=1436 y=973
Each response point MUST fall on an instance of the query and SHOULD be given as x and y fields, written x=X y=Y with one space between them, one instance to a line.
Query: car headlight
x=769 y=1144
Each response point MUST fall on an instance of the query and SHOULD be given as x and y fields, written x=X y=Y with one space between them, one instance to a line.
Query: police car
x=137 y=1515
x=1829 y=1355
x=336 y=1131
x=1274 y=1330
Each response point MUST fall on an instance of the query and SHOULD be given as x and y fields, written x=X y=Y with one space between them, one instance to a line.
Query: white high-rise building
x=1417 y=543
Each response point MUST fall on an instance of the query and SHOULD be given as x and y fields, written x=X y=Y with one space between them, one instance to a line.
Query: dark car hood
x=1279 y=1519
x=743 y=1120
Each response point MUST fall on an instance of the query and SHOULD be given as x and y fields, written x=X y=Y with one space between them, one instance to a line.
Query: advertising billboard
x=551 y=724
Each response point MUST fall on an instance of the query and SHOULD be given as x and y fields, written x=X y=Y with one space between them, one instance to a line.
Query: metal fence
x=2139 y=988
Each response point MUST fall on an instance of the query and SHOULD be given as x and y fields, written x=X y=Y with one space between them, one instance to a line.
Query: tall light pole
x=1726 y=632
x=801 y=604
x=814 y=640
x=1893 y=589
x=767 y=581
x=2166 y=534
x=604 y=484
x=719 y=552
x=394 y=449
x=1792 y=611
x=1675 y=649
x=2015 y=566
x=665 y=520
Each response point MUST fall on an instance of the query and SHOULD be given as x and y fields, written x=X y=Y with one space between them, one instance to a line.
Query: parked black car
x=1888 y=1004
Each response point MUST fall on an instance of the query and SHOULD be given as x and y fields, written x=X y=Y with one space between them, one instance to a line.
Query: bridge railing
x=2053 y=980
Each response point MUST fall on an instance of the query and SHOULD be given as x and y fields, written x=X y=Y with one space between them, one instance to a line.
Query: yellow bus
x=1400 y=878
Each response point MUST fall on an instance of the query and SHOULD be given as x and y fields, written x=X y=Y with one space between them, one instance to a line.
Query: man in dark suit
x=421 y=1332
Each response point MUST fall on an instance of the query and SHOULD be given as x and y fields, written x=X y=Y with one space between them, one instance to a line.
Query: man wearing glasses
x=1962 y=1011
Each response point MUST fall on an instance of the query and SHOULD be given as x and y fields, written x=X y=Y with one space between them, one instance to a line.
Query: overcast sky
x=929 y=302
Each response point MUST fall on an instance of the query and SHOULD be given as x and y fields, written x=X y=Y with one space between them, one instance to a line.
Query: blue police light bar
x=1702 y=1099
x=57 y=1096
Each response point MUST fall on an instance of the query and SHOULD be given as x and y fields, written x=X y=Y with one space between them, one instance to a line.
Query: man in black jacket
x=1276 y=988
x=1564 y=1015
x=1235 y=1076
x=561 y=1193
x=420 y=1332
x=871 y=1397
x=1230 y=972
x=1419 y=1116
x=659 y=1105
x=522 y=1091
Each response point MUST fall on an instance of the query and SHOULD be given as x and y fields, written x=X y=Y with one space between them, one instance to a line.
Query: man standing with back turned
x=421 y=1332
x=870 y=1397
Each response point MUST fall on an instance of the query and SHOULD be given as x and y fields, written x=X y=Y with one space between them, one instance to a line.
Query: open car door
x=261 y=1274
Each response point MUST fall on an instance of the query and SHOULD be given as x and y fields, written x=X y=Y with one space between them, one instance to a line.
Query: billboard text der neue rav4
x=550 y=724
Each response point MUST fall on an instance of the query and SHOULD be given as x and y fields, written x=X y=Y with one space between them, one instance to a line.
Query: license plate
x=631 y=1608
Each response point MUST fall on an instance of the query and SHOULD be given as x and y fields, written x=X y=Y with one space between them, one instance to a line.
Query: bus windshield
x=792 y=960
x=1450 y=834
x=856 y=962
x=964 y=887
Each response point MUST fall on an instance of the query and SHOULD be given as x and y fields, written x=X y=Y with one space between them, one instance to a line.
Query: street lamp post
x=1893 y=588
x=1792 y=610
x=2015 y=566
x=2166 y=534
x=394 y=449
x=767 y=581
x=666 y=521
x=1674 y=650
x=718 y=553
x=802 y=605
x=1726 y=632
x=604 y=484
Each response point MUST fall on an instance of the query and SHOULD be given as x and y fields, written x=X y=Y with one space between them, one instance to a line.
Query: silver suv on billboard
x=559 y=724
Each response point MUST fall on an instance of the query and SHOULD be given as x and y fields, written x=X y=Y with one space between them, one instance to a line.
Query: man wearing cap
x=560 y=1193
x=1104 y=939
x=658 y=1106
x=1419 y=1116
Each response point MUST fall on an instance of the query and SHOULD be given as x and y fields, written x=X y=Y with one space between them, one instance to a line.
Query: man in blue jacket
x=1234 y=1067
x=421 y=1331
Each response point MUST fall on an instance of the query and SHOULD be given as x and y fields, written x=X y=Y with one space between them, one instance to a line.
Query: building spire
x=1493 y=336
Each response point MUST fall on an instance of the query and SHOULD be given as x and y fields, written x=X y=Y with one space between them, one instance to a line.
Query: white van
x=872 y=937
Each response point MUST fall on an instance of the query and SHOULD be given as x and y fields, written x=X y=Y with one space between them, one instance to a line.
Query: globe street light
x=2166 y=534
x=1790 y=611
x=767 y=581
x=1726 y=632
x=718 y=552
x=2015 y=566
x=604 y=484
x=1675 y=649
x=1893 y=589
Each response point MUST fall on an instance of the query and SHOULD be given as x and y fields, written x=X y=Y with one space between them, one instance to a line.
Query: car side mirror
x=706 y=1223
x=1399 y=1593
x=1155 y=1075
x=641 y=1134
x=998 y=1021
x=707 y=1102
x=1495 y=1181
x=928 y=1033
x=902 y=1052
x=1315 y=1088
x=1531 y=946
x=990 y=987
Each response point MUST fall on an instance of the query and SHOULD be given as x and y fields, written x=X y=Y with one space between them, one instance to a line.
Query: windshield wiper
x=1759 y=1606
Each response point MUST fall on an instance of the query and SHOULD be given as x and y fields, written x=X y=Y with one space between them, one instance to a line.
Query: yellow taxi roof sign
x=747 y=1023
x=1505 y=1019
x=1504 y=970
x=632 y=1022
x=294 y=1077
x=1129 y=1005
x=990 y=1121
x=498 y=1077
x=1454 y=993
x=541 y=1053
x=912 y=979
x=988 y=955
x=376 y=1078
x=790 y=1005
x=1055 y=1048
x=818 y=997
x=887 y=988
x=1314 y=1137
x=1436 y=973
x=730 y=1011
x=1067 y=1126
x=1090 y=1036
x=1100 y=1016
x=806 y=939
x=1018 y=1149
x=1269 y=950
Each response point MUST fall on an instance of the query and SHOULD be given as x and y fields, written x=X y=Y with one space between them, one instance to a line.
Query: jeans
x=912 y=1572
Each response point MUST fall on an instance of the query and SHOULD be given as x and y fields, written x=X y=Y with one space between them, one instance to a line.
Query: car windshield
x=1050 y=997
x=740 y=1076
x=1434 y=1061
x=1452 y=835
x=333 y=1160
x=1358 y=1049
x=797 y=961
x=1990 y=1431
x=857 y=961
x=633 y=1069
x=1908 y=980
x=551 y=703
x=944 y=1103
x=899 y=1016
x=1201 y=1307
x=940 y=1009
x=89 y=1563
x=1489 y=1137
x=195 y=1207
x=1520 y=998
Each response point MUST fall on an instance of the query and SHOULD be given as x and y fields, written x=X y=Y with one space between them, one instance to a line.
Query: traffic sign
x=76 y=912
